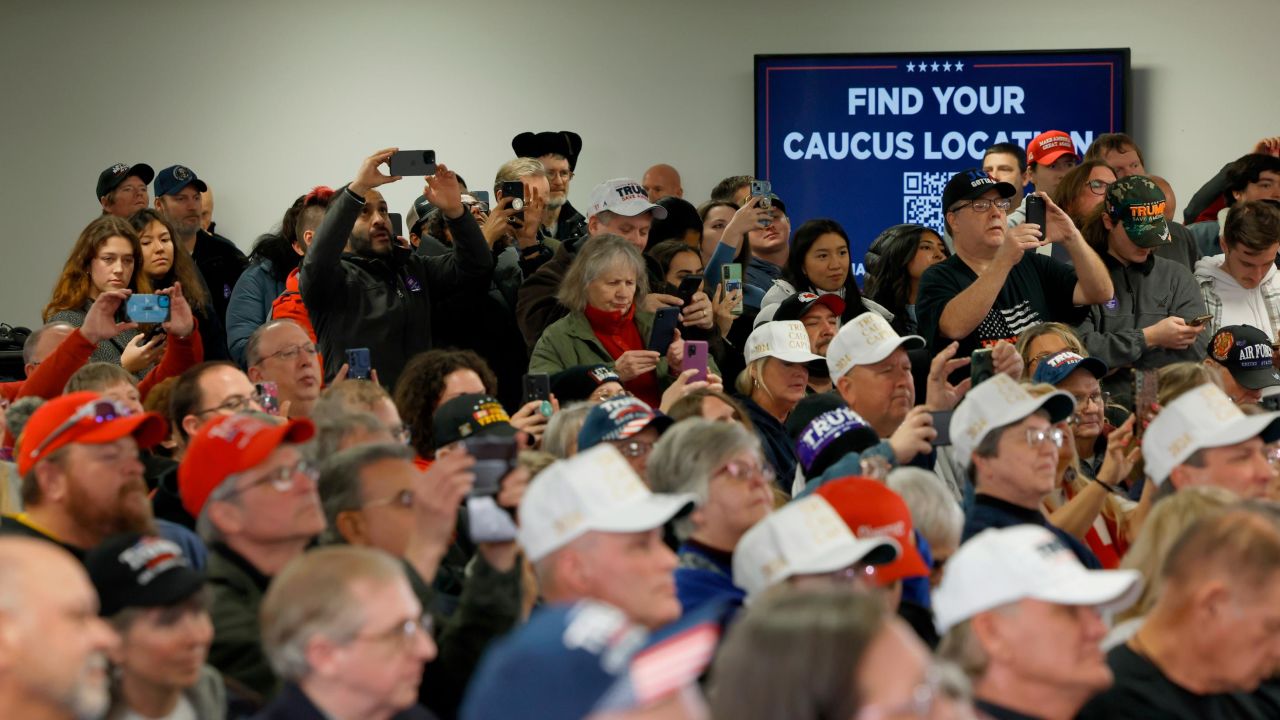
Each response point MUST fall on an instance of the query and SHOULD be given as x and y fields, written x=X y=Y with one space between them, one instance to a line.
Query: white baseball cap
x=865 y=340
x=1203 y=417
x=804 y=537
x=998 y=402
x=594 y=490
x=999 y=566
x=622 y=196
x=783 y=339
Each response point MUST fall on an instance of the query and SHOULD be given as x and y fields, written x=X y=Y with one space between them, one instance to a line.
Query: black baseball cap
x=971 y=184
x=136 y=570
x=1245 y=351
x=579 y=381
x=469 y=416
x=111 y=178
x=172 y=179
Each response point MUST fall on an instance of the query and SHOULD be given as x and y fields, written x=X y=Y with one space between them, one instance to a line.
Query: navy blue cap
x=571 y=661
x=619 y=418
x=172 y=179
x=1056 y=368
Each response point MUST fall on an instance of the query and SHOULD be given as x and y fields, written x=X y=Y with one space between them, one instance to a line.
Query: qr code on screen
x=922 y=198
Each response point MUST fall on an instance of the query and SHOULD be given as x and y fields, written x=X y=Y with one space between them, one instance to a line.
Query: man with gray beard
x=558 y=152
x=53 y=657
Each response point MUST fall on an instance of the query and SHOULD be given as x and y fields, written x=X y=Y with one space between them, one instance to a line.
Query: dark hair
x=886 y=261
x=682 y=217
x=793 y=272
x=420 y=385
x=658 y=261
x=744 y=248
x=724 y=190
x=1071 y=185
x=276 y=246
x=1008 y=149
x=1248 y=169
x=186 y=398
x=1095 y=230
x=1112 y=142
x=183 y=268
x=1254 y=224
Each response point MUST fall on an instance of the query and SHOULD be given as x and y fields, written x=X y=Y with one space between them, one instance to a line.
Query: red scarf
x=618 y=332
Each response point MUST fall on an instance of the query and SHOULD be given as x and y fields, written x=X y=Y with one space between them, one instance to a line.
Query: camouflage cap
x=1138 y=203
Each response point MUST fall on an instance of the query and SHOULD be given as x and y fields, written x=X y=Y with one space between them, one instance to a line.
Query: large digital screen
x=870 y=140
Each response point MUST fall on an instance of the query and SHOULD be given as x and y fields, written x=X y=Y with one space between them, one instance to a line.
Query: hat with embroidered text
x=1138 y=203
x=112 y=177
x=1056 y=368
x=797 y=306
x=231 y=444
x=803 y=537
x=1203 y=417
x=1047 y=147
x=144 y=571
x=865 y=340
x=580 y=381
x=468 y=415
x=622 y=196
x=595 y=490
x=972 y=184
x=619 y=418
x=1246 y=352
x=172 y=179
x=831 y=436
x=783 y=339
x=1000 y=566
x=871 y=510
x=86 y=418
x=998 y=402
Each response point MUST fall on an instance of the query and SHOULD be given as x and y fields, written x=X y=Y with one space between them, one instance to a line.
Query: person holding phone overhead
x=1157 y=314
x=362 y=290
x=603 y=289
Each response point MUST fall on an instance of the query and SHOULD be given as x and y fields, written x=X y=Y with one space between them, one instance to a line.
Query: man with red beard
x=281 y=352
x=82 y=480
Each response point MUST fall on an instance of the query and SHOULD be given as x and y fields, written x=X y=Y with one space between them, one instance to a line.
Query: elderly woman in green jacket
x=602 y=290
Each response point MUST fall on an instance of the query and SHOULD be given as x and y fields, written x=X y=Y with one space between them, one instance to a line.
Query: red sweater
x=618 y=333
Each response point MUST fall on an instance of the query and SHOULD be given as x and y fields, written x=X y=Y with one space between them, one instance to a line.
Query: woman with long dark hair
x=272 y=259
x=819 y=262
x=895 y=262
x=165 y=262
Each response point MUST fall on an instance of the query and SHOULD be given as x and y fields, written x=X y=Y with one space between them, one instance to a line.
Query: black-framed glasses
x=559 y=175
x=1101 y=399
x=403 y=499
x=289 y=354
x=403 y=633
x=981 y=206
x=100 y=411
x=235 y=404
x=282 y=479
x=1098 y=187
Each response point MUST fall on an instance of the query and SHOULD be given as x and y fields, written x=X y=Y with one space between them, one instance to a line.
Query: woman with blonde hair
x=1046 y=340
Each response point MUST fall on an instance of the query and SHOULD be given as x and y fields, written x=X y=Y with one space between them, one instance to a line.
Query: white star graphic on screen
x=959 y=66
x=911 y=68
x=934 y=67
x=946 y=67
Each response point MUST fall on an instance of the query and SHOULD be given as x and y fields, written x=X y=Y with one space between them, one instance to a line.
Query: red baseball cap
x=1047 y=147
x=228 y=445
x=86 y=418
x=871 y=510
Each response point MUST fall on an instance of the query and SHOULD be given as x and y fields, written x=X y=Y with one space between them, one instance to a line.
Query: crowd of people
x=652 y=459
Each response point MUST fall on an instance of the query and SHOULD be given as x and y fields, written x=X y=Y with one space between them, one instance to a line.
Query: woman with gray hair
x=722 y=466
x=603 y=290
x=934 y=512
x=561 y=436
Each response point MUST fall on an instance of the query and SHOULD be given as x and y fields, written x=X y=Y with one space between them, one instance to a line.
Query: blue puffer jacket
x=250 y=306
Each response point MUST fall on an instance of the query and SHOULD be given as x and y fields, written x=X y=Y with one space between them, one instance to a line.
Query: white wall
x=264 y=99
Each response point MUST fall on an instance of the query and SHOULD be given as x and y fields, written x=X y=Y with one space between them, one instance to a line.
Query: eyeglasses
x=981 y=206
x=602 y=394
x=1101 y=399
x=100 y=411
x=1036 y=438
x=559 y=175
x=743 y=471
x=920 y=705
x=1098 y=187
x=282 y=479
x=633 y=448
x=401 y=634
x=403 y=499
x=234 y=404
x=290 y=353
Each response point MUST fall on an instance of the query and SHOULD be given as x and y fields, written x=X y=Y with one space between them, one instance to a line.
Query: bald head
x=661 y=181
x=41 y=343
x=53 y=645
x=1170 y=200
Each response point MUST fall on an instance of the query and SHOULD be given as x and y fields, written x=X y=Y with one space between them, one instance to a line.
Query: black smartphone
x=155 y=330
x=688 y=286
x=481 y=196
x=514 y=189
x=1036 y=212
x=397 y=224
x=1199 y=320
x=942 y=423
x=413 y=162
x=981 y=366
x=495 y=457
x=537 y=386
x=359 y=365
x=664 y=329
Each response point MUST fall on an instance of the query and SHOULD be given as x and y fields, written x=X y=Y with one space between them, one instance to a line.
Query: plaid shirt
x=1270 y=291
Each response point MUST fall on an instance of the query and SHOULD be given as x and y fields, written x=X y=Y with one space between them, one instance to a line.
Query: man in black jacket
x=363 y=291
